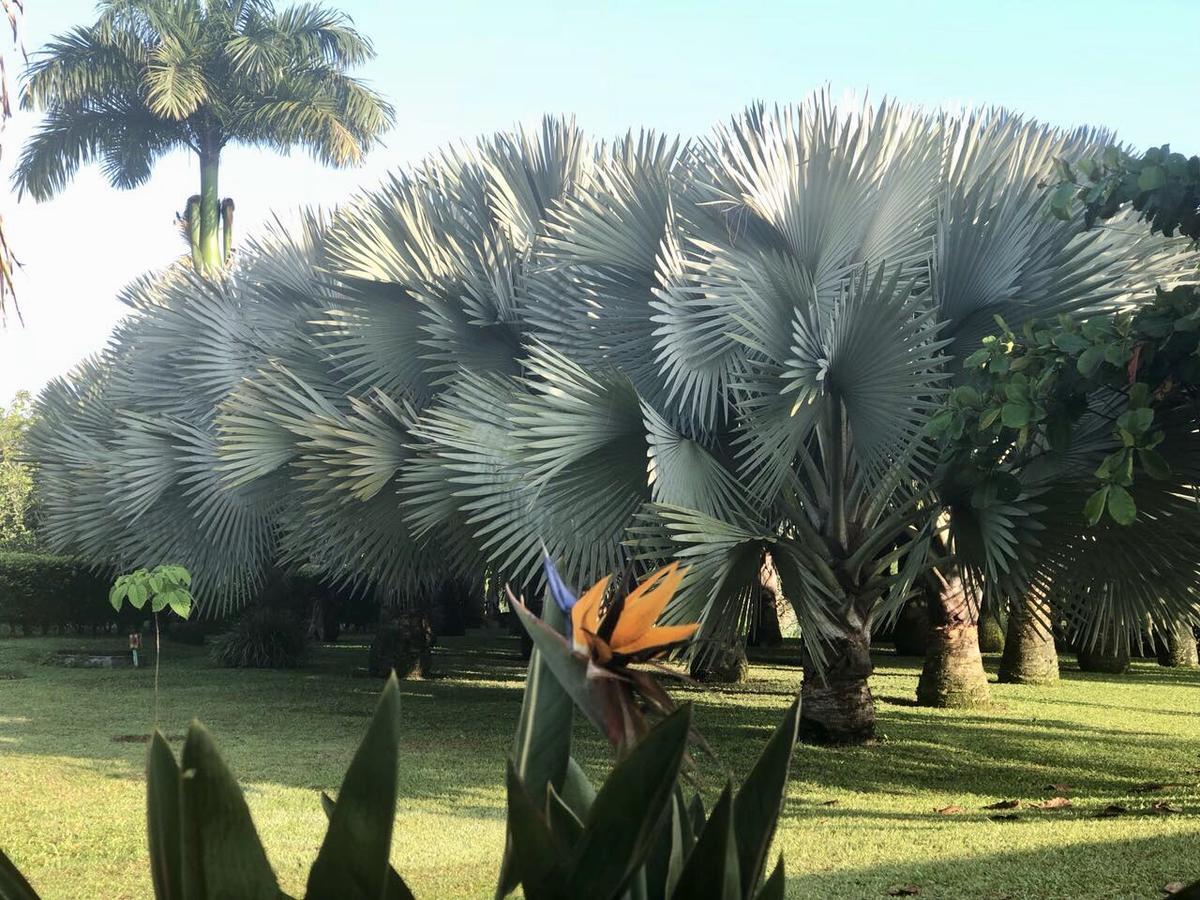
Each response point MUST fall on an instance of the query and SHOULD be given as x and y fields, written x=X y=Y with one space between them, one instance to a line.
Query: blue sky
x=457 y=69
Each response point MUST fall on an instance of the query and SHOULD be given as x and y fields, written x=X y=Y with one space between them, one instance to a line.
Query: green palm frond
x=174 y=79
x=124 y=138
x=530 y=171
x=1000 y=252
x=311 y=30
x=590 y=289
x=685 y=472
x=79 y=66
x=1115 y=582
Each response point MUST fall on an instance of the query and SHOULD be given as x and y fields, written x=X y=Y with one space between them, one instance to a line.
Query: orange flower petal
x=645 y=604
x=657 y=637
x=585 y=615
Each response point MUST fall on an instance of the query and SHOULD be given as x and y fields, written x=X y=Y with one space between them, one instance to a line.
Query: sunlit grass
x=858 y=822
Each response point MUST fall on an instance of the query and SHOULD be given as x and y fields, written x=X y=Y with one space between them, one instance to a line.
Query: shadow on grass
x=299 y=728
x=1080 y=870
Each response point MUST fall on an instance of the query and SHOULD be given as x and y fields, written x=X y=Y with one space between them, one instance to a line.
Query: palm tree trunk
x=764 y=628
x=723 y=665
x=836 y=706
x=953 y=675
x=209 y=261
x=1179 y=650
x=1029 y=653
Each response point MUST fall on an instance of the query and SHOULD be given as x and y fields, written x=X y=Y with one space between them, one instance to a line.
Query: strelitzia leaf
x=537 y=853
x=578 y=791
x=396 y=888
x=13 y=885
x=568 y=668
x=542 y=746
x=629 y=810
x=775 y=886
x=760 y=798
x=665 y=863
x=563 y=820
x=163 y=820
x=222 y=855
x=712 y=868
x=353 y=860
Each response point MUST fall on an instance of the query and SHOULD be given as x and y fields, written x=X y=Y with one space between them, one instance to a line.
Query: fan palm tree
x=152 y=76
x=727 y=351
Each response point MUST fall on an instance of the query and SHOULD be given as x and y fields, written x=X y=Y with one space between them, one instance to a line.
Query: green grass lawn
x=857 y=822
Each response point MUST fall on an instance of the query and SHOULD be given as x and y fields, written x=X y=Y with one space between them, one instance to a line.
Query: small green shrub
x=40 y=591
x=166 y=587
x=263 y=638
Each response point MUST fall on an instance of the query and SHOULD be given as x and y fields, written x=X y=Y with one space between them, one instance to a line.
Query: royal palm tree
x=153 y=76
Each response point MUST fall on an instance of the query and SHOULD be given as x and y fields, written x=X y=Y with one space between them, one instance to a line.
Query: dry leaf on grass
x=829 y=803
x=1173 y=887
x=1163 y=807
x=1011 y=817
x=1112 y=811
x=950 y=810
x=904 y=890
x=1004 y=804
x=1054 y=803
x=1060 y=788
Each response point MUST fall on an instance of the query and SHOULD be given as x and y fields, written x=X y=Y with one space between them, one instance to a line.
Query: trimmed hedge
x=39 y=591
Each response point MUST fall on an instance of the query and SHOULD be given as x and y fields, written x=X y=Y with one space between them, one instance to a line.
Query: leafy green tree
x=152 y=76
x=1094 y=421
x=1163 y=187
x=16 y=478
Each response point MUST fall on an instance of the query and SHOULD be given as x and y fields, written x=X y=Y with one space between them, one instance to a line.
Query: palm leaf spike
x=227 y=229
x=191 y=220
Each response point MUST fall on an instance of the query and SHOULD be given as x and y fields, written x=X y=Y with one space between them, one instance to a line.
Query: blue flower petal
x=558 y=590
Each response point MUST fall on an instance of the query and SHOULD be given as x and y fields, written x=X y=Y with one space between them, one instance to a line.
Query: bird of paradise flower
x=602 y=638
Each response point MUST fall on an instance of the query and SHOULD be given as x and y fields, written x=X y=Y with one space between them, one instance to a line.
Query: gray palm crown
x=624 y=352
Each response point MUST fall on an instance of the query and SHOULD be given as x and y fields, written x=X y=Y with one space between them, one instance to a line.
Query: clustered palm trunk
x=1030 y=656
x=1178 y=648
x=835 y=696
x=953 y=674
x=718 y=351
